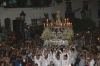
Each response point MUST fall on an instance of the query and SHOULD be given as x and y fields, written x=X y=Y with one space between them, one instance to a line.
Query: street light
x=22 y=15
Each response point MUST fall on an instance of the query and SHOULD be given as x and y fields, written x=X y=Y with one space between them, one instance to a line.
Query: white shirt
x=82 y=62
x=75 y=54
x=56 y=61
x=45 y=62
x=92 y=62
x=65 y=62
x=36 y=61
x=71 y=56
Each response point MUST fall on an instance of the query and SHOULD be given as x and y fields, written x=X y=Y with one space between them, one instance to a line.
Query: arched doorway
x=7 y=23
x=17 y=28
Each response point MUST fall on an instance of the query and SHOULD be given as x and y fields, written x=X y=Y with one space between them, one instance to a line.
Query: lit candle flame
x=67 y=19
x=61 y=24
x=47 y=20
x=64 y=24
x=51 y=24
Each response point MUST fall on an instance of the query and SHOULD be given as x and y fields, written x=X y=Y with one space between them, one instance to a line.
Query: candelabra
x=66 y=23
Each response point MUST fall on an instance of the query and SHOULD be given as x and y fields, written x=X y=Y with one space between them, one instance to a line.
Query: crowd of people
x=32 y=54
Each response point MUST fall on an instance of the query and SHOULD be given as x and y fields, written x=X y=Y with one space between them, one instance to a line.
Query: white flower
x=68 y=33
x=46 y=34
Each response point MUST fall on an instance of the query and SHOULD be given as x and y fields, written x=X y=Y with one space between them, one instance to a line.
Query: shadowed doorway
x=7 y=23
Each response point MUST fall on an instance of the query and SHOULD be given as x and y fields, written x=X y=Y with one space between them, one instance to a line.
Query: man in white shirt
x=65 y=59
x=38 y=59
x=57 y=58
x=92 y=62
x=45 y=60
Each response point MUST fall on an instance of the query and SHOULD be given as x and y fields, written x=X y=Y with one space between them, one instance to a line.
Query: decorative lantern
x=22 y=15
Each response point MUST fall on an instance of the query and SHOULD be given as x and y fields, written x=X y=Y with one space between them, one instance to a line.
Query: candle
x=64 y=24
x=47 y=20
x=65 y=20
x=61 y=24
x=68 y=24
x=47 y=25
x=51 y=24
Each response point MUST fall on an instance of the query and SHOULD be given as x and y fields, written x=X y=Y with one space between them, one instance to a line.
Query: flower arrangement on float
x=57 y=32
x=68 y=34
x=46 y=34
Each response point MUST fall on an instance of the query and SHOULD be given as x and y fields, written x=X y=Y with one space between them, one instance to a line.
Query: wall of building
x=93 y=6
x=32 y=13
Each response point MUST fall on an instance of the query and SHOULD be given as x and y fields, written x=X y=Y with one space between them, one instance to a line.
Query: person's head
x=65 y=57
x=36 y=64
x=11 y=64
x=46 y=56
x=38 y=56
x=82 y=56
x=51 y=62
x=58 y=56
